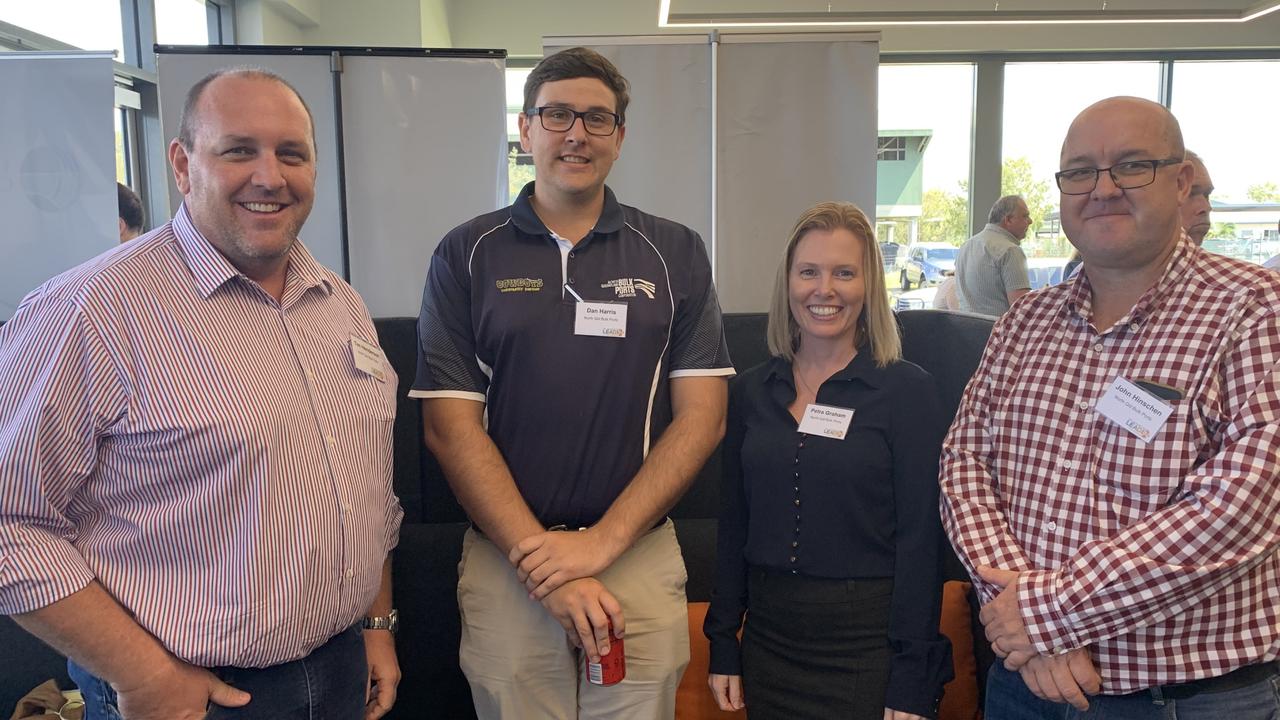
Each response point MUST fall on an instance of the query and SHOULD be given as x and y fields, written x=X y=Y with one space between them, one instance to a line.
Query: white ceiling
x=722 y=12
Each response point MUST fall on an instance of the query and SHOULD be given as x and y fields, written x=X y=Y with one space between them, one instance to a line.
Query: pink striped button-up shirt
x=215 y=459
x=1159 y=555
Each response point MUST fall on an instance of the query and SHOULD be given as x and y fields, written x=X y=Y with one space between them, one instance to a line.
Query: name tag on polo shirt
x=826 y=420
x=369 y=359
x=1134 y=409
x=601 y=319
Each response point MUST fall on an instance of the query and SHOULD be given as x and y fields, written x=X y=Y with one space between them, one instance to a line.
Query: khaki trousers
x=520 y=663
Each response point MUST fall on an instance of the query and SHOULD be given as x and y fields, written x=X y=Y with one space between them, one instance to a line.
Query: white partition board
x=425 y=143
x=57 y=167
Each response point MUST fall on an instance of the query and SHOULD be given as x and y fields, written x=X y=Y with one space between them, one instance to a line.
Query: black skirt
x=815 y=647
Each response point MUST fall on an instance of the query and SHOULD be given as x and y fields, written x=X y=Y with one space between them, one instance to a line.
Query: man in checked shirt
x=1112 y=480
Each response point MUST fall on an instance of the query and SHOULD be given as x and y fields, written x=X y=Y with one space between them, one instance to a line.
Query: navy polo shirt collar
x=527 y=220
x=862 y=367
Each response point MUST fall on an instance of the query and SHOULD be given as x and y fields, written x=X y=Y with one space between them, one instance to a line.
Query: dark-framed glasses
x=559 y=119
x=1126 y=176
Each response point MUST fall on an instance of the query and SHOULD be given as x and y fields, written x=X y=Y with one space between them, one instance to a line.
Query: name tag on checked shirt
x=600 y=319
x=369 y=359
x=1134 y=409
x=826 y=420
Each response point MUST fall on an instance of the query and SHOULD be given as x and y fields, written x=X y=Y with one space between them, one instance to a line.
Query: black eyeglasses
x=559 y=119
x=1125 y=175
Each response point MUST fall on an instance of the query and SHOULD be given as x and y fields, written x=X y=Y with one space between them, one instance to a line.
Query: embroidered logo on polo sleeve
x=512 y=285
x=627 y=287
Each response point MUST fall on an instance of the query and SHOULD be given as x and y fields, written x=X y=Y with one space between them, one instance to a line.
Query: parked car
x=921 y=299
x=926 y=263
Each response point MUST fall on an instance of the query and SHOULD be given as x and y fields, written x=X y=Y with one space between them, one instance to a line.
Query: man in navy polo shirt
x=573 y=370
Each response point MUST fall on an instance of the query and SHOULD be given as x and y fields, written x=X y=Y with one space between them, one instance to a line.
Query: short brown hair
x=575 y=63
x=876 y=325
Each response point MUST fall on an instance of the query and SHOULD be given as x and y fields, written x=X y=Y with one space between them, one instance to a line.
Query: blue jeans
x=1008 y=698
x=329 y=683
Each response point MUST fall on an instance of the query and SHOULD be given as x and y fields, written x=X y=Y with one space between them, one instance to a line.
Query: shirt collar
x=862 y=367
x=992 y=227
x=1079 y=300
x=527 y=220
x=212 y=270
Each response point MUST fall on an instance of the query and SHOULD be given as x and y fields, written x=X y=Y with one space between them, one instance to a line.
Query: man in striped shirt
x=1111 y=479
x=195 y=446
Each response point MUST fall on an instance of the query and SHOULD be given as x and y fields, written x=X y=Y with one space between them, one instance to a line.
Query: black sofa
x=425 y=565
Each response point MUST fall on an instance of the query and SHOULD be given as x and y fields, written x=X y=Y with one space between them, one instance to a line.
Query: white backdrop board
x=57 y=167
x=411 y=142
x=430 y=157
x=735 y=134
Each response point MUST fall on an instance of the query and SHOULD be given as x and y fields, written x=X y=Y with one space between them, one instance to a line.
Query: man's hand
x=584 y=608
x=1002 y=619
x=545 y=561
x=891 y=714
x=1069 y=677
x=177 y=691
x=384 y=673
x=727 y=691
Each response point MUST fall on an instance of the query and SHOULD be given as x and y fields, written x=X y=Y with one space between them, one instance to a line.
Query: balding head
x=1127 y=109
x=189 y=121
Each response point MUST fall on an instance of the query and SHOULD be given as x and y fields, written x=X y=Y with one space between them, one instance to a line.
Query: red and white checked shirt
x=215 y=459
x=1161 y=557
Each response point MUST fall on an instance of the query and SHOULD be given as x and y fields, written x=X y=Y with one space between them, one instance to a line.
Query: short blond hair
x=876 y=325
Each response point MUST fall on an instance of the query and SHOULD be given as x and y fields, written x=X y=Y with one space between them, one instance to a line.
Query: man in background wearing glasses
x=1111 y=479
x=587 y=334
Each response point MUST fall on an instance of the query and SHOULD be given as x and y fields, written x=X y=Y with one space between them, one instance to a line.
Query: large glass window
x=182 y=22
x=1040 y=101
x=86 y=24
x=924 y=144
x=1228 y=112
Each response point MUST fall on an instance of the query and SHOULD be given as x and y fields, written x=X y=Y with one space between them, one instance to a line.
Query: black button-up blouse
x=862 y=507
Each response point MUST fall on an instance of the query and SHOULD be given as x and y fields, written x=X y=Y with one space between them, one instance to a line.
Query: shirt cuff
x=1048 y=628
x=726 y=656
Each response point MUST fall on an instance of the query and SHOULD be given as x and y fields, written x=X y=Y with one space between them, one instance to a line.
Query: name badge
x=826 y=420
x=369 y=359
x=600 y=319
x=1134 y=409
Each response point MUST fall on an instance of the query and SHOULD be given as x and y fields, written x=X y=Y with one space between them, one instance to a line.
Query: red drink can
x=612 y=666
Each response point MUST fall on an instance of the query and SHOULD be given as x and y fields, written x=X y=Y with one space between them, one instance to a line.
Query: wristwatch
x=389 y=622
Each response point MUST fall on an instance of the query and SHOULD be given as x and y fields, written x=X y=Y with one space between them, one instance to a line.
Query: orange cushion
x=960 y=699
x=693 y=697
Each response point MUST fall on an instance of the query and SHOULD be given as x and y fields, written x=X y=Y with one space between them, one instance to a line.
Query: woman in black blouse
x=829 y=530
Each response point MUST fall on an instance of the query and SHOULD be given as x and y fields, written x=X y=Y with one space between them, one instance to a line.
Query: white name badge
x=369 y=359
x=826 y=420
x=600 y=319
x=1134 y=409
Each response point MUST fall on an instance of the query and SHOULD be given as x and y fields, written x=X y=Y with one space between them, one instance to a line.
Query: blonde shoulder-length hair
x=876 y=325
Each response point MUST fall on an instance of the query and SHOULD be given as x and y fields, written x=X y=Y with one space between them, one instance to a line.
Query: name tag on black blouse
x=826 y=420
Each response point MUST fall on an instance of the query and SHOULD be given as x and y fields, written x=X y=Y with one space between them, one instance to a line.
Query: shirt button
x=350 y=573
x=797 y=504
x=310 y=375
x=1082 y=405
x=1051 y=525
x=346 y=508
x=570 y=281
x=571 y=253
x=1097 y=348
x=793 y=558
x=329 y=439
x=1067 y=464
x=795 y=544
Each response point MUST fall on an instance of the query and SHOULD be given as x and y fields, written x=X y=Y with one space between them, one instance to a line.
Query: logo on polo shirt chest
x=515 y=285
x=627 y=287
